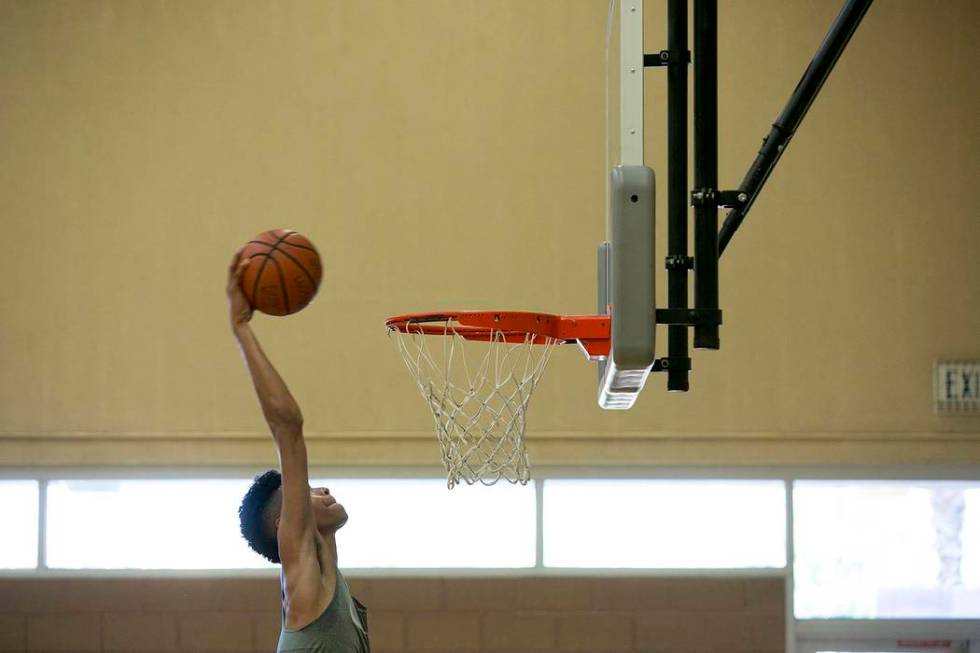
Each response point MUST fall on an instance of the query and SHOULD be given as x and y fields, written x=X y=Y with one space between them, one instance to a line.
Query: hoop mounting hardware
x=666 y=58
x=731 y=199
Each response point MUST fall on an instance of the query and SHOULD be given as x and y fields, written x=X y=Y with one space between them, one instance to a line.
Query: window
x=887 y=549
x=419 y=523
x=18 y=515
x=157 y=524
x=664 y=524
x=193 y=524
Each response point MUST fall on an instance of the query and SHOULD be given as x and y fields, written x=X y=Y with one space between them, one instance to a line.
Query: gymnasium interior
x=816 y=490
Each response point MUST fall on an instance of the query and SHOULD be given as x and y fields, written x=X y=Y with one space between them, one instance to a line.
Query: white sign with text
x=957 y=387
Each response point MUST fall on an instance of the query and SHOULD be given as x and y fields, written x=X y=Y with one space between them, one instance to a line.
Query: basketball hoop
x=479 y=393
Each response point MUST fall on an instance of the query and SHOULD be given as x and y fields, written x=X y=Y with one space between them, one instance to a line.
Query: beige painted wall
x=449 y=154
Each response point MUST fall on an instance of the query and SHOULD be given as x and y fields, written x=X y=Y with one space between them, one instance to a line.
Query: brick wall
x=407 y=615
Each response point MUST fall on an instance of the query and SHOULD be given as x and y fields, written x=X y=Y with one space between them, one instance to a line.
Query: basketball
x=283 y=272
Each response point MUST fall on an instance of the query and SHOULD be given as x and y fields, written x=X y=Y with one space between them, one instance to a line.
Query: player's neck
x=328 y=547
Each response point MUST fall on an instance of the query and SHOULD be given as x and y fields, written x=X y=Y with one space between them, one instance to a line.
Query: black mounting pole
x=706 y=168
x=785 y=126
x=678 y=376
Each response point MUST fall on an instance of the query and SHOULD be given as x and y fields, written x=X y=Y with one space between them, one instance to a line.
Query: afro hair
x=253 y=515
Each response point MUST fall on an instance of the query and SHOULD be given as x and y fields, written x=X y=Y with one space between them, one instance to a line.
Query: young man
x=289 y=523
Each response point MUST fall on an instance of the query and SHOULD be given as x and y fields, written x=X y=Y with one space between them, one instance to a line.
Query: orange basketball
x=283 y=272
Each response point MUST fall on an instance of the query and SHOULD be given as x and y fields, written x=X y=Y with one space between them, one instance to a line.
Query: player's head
x=260 y=510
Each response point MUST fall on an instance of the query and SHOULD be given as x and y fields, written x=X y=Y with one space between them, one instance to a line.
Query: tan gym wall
x=450 y=154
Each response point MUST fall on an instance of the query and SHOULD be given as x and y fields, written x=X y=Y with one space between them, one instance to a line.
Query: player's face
x=328 y=515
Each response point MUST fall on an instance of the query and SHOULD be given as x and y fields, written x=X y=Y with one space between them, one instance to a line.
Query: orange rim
x=591 y=331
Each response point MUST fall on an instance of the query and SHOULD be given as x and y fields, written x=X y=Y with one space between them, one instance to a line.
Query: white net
x=478 y=392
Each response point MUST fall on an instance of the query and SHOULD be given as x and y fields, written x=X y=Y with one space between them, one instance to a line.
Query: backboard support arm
x=677 y=58
x=775 y=143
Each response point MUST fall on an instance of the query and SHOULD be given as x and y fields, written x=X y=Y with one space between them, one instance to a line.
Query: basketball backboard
x=626 y=259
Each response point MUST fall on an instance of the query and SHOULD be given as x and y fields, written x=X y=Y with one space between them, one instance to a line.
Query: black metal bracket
x=679 y=262
x=665 y=364
x=726 y=198
x=665 y=58
x=688 y=316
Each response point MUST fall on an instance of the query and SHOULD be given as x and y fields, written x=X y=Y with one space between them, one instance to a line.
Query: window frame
x=880 y=634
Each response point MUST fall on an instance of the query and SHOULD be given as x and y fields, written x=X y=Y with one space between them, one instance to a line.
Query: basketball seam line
x=286 y=242
x=258 y=275
x=298 y=263
x=282 y=283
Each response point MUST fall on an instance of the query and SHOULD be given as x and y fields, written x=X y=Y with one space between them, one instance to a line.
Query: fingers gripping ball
x=283 y=272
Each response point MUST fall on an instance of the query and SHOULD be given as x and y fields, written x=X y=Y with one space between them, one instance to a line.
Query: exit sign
x=957 y=387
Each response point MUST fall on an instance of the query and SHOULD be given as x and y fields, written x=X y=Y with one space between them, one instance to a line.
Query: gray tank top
x=342 y=628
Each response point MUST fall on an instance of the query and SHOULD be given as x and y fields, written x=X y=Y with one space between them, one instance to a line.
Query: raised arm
x=296 y=529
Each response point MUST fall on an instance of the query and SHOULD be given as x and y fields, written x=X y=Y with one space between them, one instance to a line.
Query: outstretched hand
x=240 y=309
